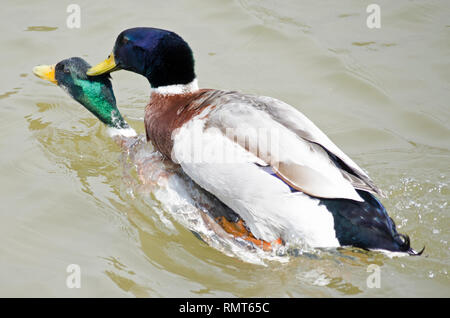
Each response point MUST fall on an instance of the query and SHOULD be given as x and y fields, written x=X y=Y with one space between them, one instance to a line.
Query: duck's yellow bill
x=46 y=72
x=106 y=66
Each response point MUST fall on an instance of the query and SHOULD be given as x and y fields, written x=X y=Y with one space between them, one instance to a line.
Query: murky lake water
x=383 y=96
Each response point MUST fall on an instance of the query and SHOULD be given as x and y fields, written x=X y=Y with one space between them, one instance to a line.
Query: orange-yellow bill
x=106 y=66
x=46 y=72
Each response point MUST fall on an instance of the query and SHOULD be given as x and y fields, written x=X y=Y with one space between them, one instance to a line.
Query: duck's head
x=163 y=57
x=95 y=93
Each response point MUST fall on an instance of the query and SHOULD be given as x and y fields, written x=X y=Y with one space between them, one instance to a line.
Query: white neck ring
x=177 y=88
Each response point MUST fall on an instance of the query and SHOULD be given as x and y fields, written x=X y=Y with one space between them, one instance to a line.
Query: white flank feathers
x=265 y=203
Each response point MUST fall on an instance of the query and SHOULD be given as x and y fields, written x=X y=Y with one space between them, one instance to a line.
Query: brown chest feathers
x=165 y=113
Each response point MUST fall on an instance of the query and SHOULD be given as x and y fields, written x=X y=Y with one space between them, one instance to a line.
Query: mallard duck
x=300 y=187
x=94 y=93
x=161 y=177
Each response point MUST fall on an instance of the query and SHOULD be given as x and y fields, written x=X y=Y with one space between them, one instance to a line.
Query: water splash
x=174 y=197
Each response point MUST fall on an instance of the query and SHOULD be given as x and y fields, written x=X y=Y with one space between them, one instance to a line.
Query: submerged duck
x=286 y=179
x=161 y=177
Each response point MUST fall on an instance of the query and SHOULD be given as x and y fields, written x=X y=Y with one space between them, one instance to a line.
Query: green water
x=381 y=94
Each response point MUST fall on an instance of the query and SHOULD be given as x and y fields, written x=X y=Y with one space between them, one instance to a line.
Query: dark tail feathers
x=405 y=244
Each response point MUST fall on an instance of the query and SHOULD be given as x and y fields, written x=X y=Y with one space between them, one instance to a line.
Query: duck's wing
x=246 y=184
x=299 y=153
x=306 y=129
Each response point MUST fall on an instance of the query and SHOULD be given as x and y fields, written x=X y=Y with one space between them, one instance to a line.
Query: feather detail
x=306 y=129
x=314 y=182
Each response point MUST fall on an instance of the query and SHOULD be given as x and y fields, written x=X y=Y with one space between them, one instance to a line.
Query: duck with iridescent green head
x=94 y=92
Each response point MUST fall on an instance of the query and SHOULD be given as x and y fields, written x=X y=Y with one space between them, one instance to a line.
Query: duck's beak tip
x=46 y=72
x=107 y=66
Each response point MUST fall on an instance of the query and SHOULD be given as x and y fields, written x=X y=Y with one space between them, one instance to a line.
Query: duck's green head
x=95 y=93
x=163 y=57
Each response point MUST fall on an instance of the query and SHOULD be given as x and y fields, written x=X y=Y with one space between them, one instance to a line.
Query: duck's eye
x=62 y=68
x=124 y=40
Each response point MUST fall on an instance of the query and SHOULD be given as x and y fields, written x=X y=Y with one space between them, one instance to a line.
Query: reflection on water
x=73 y=197
x=41 y=28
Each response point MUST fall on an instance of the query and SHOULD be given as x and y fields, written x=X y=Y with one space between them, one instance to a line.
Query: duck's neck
x=100 y=101
x=177 y=89
x=117 y=126
x=124 y=132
